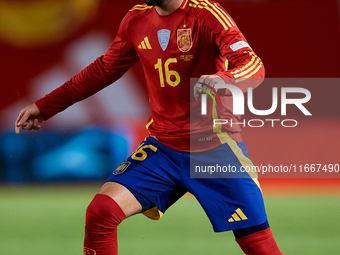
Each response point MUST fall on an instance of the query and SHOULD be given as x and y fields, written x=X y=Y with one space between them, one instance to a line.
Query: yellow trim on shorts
x=153 y=213
x=225 y=138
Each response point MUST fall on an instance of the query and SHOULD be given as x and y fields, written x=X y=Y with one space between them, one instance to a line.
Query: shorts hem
x=140 y=198
x=218 y=230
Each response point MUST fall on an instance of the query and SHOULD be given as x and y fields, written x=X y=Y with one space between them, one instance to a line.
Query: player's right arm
x=102 y=72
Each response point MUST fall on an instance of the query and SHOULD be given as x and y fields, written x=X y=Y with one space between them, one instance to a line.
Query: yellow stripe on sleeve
x=221 y=13
x=216 y=16
x=225 y=14
x=247 y=65
x=249 y=75
x=226 y=64
x=214 y=11
x=252 y=67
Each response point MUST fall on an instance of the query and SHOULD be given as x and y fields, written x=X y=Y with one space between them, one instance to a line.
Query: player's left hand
x=207 y=82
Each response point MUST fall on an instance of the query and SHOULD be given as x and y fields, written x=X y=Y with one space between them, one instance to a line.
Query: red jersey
x=198 y=38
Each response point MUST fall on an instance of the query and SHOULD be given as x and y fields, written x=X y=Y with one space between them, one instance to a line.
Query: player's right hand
x=207 y=83
x=29 y=118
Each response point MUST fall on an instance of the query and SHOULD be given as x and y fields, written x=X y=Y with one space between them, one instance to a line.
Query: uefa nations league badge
x=163 y=38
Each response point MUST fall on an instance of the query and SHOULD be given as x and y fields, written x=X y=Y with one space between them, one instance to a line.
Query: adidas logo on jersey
x=238 y=216
x=145 y=44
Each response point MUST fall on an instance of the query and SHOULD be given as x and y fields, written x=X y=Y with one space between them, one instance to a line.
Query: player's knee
x=103 y=214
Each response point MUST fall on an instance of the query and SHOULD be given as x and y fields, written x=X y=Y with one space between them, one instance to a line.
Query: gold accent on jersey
x=215 y=14
x=248 y=70
x=238 y=216
x=186 y=57
x=226 y=64
x=145 y=44
x=251 y=68
x=249 y=75
x=221 y=13
x=225 y=14
x=247 y=65
x=216 y=11
x=185 y=4
x=149 y=123
x=140 y=7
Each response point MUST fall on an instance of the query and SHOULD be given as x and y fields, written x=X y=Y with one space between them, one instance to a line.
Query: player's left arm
x=248 y=70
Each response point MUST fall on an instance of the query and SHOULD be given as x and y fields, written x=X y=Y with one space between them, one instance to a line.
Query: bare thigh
x=123 y=197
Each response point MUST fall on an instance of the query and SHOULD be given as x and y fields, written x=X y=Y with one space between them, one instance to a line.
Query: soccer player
x=175 y=40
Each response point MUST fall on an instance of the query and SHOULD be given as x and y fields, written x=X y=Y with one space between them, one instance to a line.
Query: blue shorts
x=158 y=176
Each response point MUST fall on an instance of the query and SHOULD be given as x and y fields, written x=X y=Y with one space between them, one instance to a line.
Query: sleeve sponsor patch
x=239 y=45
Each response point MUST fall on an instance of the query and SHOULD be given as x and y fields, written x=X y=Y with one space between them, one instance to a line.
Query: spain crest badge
x=184 y=39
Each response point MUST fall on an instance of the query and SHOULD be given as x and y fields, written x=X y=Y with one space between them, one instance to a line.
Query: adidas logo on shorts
x=238 y=216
